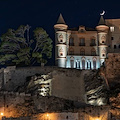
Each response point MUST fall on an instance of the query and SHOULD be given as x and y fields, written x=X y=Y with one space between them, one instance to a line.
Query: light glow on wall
x=1 y=114
x=112 y=29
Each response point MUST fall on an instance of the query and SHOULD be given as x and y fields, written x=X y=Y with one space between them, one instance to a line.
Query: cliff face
x=111 y=72
x=77 y=85
x=57 y=88
x=112 y=67
x=16 y=105
x=96 y=88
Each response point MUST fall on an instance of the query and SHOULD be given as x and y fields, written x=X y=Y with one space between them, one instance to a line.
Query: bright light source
x=112 y=28
x=97 y=119
x=47 y=115
x=1 y=114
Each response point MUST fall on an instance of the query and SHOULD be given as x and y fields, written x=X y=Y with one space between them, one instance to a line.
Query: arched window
x=72 y=61
x=93 y=52
x=61 y=52
x=88 y=64
x=82 y=42
x=77 y=64
x=94 y=63
x=103 y=52
x=82 y=51
x=71 y=41
x=60 y=38
x=71 y=51
x=103 y=38
x=83 y=63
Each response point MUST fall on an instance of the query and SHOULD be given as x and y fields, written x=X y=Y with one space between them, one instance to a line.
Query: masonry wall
x=66 y=83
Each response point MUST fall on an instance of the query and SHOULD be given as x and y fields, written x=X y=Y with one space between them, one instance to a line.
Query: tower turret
x=60 y=42
x=102 y=29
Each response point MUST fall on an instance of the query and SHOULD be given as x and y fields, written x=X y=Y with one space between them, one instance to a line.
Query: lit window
x=112 y=29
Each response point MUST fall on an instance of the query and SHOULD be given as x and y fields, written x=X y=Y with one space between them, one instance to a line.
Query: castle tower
x=102 y=29
x=60 y=42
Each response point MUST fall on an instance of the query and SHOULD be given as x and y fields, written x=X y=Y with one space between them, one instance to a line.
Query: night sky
x=44 y=13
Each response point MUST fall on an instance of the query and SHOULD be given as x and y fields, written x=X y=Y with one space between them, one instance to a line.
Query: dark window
x=112 y=38
x=71 y=42
x=83 y=64
x=93 y=52
x=82 y=42
x=72 y=63
x=114 y=46
x=94 y=64
x=82 y=30
x=82 y=52
x=71 y=51
x=119 y=46
x=103 y=41
x=61 y=40
x=61 y=54
x=92 y=42
x=66 y=117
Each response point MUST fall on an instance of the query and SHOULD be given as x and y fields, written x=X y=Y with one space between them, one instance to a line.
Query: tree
x=16 y=47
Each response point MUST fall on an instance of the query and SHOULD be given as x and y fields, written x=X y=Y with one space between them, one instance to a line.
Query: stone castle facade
x=86 y=48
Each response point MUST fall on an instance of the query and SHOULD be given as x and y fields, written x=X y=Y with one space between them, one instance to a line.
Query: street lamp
x=47 y=116
x=1 y=114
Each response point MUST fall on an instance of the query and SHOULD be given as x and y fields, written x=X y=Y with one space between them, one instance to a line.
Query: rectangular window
x=112 y=38
x=71 y=42
x=82 y=42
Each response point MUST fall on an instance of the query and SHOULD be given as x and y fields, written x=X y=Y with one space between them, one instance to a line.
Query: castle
x=86 y=48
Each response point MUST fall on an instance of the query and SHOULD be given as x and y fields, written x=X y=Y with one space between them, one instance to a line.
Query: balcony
x=92 y=44
x=71 y=53
x=71 y=44
x=81 y=44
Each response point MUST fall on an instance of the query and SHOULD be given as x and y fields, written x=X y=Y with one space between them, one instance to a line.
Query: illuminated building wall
x=113 y=35
x=86 y=48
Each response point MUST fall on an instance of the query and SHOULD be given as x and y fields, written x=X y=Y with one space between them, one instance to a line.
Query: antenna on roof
x=102 y=13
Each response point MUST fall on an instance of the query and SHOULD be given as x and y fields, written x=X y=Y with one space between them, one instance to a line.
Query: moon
x=102 y=13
